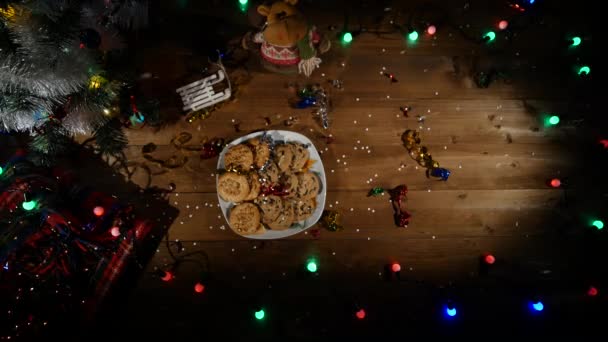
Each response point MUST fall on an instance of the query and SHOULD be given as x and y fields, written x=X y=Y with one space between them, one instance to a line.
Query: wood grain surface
x=493 y=140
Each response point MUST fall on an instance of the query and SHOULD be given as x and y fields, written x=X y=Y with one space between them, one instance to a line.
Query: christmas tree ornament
x=96 y=82
x=287 y=42
x=8 y=12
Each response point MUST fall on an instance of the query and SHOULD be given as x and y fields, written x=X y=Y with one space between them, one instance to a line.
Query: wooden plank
x=472 y=120
x=449 y=213
x=473 y=166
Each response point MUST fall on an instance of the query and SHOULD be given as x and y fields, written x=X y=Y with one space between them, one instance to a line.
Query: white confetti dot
x=357 y=99
x=357 y=230
x=233 y=249
x=355 y=121
x=332 y=171
x=388 y=96
x=366 y=129
x=433 y=237
x=351 y=209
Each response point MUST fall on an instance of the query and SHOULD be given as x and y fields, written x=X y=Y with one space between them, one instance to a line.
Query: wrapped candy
x=330 y=220
x=440 y=172
x=212 y=148
x=411 y=141
x=377 y=191
x=315 y=96
x=306 y=102
x=402 y=217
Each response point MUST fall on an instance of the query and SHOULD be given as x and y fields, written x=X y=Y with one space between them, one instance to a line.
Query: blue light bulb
x=451 y=312
x=538 y=306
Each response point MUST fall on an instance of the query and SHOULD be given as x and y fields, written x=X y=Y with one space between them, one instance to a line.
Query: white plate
x=317 y=168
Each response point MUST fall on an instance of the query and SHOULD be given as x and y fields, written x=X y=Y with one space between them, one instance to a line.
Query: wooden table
x=496 y=201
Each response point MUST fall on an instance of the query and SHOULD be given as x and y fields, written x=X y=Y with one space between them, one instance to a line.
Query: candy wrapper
x=316 y=97
x=330 y=220
x=398 y=195
x=411 y=140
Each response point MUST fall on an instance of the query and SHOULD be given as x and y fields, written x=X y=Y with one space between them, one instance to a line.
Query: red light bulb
x=115 y=231
x=395 y=267
x=592 y=291
x=360 y=314
x=555 y=182
x=98 y=211
x=503 y=24
x=489 y=259
x=168 y=276
x=199 y=288
x=431 y=30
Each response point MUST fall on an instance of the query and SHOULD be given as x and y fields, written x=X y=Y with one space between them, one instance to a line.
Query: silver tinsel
x=322 y=106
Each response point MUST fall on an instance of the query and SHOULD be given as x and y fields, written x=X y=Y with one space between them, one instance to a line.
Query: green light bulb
x=259 y=315
x=311 y=266
x=413 y=35
x=28 y=205
x=1 y=170
x=598 y=224
x=347 y=37
x=584 y=70
x=554 y=120
x=490 y=35
x=576 y=41
x=243 y=2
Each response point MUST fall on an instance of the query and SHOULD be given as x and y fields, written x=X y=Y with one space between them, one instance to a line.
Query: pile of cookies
x=270 y=189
